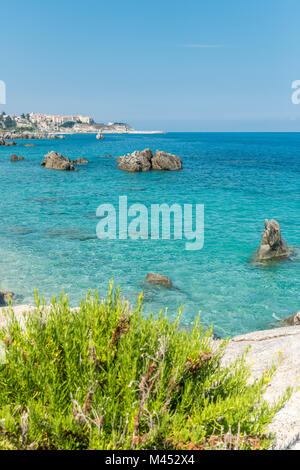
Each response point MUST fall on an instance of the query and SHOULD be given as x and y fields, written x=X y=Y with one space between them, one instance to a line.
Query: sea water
x=48 y=225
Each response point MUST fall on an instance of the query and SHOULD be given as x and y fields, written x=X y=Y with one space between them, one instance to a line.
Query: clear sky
x=198 y=65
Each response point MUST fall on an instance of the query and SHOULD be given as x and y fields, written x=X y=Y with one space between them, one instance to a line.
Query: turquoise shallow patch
x=48 y=225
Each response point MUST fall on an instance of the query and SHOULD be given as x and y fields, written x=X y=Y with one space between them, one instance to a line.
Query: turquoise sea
x=48 y=225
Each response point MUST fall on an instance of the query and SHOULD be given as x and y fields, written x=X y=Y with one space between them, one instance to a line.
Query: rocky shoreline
x=279 y=346
x=15 y=135
x=8 y=139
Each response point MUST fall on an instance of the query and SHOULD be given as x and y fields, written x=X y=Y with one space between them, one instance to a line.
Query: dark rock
x=5 y=296
x=15 y=158
x=166 y=161
x=55 y=161
x=293 y=320
x=79 y=161
x=272 y=246
x=10 y=144
x=158 y=279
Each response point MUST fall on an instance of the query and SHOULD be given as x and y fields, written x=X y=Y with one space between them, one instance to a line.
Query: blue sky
x=193 y=65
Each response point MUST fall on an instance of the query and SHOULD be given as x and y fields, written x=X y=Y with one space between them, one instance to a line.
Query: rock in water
x=146 y=161
x=15 y=158
x=79 y=161
x=166 y=161
x=5 y=296
x=10 y=144
x=158 y=279
x=293 y=320
x=55 y=161
x=136 y=161
x=272 y=246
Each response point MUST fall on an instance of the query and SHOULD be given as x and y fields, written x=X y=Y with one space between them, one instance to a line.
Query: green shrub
x=103 y=377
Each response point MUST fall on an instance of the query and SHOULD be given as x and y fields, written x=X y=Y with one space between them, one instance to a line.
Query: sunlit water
x=48 y=225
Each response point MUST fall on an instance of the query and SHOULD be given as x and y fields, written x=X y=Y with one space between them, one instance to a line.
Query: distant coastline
x=63 y=124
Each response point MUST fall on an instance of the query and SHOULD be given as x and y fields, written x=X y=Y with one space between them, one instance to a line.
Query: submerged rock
x=29 y=145
x=154 y=278
x=166 y=161
x=272 y=245
x=136 y=161
x=292 y=320
x=5 y=296
x=71 y=233
x=55 y=161
x=15 y=158
x=79 y=161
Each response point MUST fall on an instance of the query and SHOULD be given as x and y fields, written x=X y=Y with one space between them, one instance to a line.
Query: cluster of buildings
x=58 y=120
x=42 y=121
x=67 y=124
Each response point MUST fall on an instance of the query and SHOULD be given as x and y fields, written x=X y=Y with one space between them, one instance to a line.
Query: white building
x=58 y=119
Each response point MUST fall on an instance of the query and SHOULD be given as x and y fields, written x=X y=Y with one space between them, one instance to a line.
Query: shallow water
x=48 y=232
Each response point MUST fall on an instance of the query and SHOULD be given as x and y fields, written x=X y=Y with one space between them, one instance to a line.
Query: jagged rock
x=158 y=279
x=166 y=161
x=5 y=296
x=292 y=320
x=272 y=245
x=55 y=161
x=15 y=158
x=79 y=161
x=136 y=161
x=2 y=141
x=145 y=161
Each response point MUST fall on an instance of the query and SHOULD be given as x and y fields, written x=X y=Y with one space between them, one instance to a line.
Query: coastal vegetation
x=104 y=376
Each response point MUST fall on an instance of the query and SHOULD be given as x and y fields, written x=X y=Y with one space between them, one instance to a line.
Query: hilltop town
x=61 y=124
